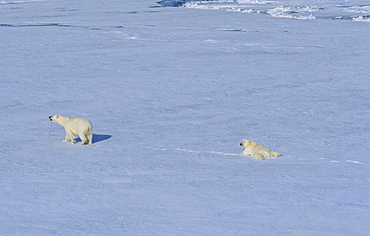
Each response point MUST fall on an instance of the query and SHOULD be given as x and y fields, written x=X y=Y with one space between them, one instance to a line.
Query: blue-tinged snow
x=171 y=92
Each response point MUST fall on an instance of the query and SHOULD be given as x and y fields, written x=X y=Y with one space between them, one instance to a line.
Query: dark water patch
x=236 y=30
x=174 y=3
x=65 y=9
x=36 y=25
x=121 y=12
x=367 y=17
x=233 y=30
x=16 y=25
x=6 y=25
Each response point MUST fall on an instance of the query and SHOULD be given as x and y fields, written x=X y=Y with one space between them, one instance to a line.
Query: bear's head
x=53 y=118
x=245 y=142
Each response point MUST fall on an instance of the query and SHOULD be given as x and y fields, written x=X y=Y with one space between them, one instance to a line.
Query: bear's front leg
x=69 y=137
x=66 y=139
x=247 y=153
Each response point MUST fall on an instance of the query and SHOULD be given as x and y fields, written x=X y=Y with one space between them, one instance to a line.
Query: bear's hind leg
x=83 y=139
x=259 y=156
x=276 y=154
x=89 y=137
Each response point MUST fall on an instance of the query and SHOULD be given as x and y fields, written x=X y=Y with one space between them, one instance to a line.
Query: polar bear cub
x=81 y=127
x=257 y=151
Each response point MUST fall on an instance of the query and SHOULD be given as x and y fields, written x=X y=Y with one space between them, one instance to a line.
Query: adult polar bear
x=81 y=127
x=257 y=151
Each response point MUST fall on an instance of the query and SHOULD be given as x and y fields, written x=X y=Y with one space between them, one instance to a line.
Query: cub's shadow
x=97 y=138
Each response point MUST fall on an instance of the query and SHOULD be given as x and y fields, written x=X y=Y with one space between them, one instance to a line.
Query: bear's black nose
x=241 y=144
x=49 y=117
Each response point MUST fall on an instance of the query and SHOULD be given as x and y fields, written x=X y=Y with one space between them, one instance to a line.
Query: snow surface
x=171 y=92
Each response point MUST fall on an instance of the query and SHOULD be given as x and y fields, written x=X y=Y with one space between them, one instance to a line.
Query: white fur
x=81 y=127
x=257 y=151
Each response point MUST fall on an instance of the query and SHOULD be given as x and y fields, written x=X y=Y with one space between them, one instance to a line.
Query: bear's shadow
x=97 y=138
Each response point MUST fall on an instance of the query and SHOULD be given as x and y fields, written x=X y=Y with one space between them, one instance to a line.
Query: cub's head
x=53 y=118
x=245 y=142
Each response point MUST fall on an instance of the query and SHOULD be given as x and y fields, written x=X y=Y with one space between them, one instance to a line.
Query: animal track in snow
x=348 y=161
x=236 y=154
